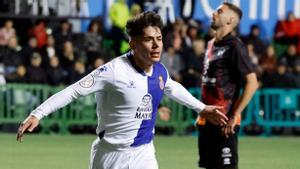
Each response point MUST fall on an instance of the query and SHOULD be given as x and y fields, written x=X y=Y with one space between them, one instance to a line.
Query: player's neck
x=146 y=67
x=221 y=33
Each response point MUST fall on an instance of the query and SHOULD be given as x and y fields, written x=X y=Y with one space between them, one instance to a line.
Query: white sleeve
x=177 y=92
x=97 y=80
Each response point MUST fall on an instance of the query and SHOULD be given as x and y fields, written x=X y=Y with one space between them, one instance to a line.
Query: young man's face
x=148 y=46
x=220 y=17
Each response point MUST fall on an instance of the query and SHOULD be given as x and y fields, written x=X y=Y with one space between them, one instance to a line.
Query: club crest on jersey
x=144 y=111
x=161 y=83
x=87 y=82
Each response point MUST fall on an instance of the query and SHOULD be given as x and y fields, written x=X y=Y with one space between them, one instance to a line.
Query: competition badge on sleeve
x=87 y=82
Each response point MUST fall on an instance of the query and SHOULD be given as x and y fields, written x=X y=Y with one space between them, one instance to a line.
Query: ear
x=230 y=21
x=132 y=43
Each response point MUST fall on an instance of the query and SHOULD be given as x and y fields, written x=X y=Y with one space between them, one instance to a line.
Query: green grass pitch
x=72 y=152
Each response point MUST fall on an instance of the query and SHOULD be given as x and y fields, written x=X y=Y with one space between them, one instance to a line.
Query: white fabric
x=103 y=157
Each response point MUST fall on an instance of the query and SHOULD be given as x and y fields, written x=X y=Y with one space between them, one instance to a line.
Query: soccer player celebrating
x=128 y=92
x=227 y=67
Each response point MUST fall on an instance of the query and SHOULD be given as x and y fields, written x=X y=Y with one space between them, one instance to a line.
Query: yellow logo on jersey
x=161 y=83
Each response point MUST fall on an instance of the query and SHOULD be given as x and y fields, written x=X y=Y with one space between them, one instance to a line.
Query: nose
x=155 y=44
x=214 y=14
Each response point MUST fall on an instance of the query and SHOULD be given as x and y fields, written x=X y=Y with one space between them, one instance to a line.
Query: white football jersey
x=127 y=100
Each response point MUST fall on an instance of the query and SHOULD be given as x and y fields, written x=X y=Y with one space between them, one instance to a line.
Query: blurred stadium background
x=48 y=44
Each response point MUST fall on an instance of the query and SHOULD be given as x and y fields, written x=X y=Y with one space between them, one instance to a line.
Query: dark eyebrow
x=153 y=36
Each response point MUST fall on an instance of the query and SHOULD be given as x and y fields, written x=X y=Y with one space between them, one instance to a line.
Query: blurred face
x=281 y=69
x=8 y=24
x=199 y=47
x=68 y=47
x=79 y=67
x=148 y=46
x=54 y=62
x=291 y=17
x=21 y=70
x=98 y=62
x=36 y=62
x=33 y=42
x=50 y=41
x=292 y=50
x=193 y=32
x=95 y=28
x=65 y=26
x=220 y=17
x=256 y=32
x=250 y=47
x=177 y=43
x=270 y=51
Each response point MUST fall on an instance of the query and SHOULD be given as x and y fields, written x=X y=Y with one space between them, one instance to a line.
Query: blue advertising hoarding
x=264 y=13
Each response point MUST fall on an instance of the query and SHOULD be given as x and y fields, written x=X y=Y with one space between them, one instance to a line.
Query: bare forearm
x=249 y=90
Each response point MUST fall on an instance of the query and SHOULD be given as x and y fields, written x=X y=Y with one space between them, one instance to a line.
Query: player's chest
x=133 y=87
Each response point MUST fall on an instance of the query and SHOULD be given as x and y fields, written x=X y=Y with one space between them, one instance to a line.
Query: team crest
x=161 y=83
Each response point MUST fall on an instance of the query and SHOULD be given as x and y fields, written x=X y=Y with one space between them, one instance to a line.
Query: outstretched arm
x=95 y=81
x=52 y=104
x=178 y=93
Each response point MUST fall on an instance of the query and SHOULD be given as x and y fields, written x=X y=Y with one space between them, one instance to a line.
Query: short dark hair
x=235 y=9
x=135 y=26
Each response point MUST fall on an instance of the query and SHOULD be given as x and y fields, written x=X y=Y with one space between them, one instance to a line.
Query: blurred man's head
x=36 y=59
x=8 y=24
x=255 y=31
x=32 y=42
x=292 y=50
x=21 y=70
x=291 y=17
x=282 y=67
x=54 y=62
x=226 y=15
x=98 y=62
x=50 y=40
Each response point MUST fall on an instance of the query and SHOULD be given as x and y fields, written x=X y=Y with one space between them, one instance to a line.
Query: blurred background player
x=227 y=67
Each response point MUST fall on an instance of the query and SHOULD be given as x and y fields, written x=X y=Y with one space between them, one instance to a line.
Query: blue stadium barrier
x=278 y=108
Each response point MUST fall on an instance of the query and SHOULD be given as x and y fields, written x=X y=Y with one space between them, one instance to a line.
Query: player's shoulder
x=107 y=68
x=115 y=63
x=237 y=42
x=236 y=45
x=160 y=67
x=120 y=60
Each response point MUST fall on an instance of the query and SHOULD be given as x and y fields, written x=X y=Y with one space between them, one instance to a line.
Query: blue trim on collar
x=135 y=66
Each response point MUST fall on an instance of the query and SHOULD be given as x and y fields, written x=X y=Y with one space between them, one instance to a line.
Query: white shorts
x=142 y=157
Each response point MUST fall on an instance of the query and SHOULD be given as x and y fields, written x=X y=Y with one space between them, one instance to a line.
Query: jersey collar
x=135 y=66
